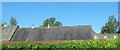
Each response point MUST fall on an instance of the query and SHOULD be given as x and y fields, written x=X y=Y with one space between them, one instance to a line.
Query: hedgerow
x=73 y=44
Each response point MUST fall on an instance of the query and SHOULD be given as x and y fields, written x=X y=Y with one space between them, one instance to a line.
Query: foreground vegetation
x=74 y=44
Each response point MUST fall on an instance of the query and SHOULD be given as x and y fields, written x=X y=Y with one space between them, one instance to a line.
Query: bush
x=74 y=44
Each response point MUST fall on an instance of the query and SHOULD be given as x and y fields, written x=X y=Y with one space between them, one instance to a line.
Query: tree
x=118 y=31
x=46 y=22
x=51 y=22
x=4 y=24
x=13 y=21
x=57 y=23
x=111 y=26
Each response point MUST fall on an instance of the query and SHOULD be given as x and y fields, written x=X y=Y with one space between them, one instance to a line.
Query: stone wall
x=14 y=33
x=106 y=36
x=7 y=32
x=54 y=33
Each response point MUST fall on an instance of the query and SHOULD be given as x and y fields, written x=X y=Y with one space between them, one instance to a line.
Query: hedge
x=73 y=44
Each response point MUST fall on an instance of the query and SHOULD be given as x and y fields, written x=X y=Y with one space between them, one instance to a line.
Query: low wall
x=106 y=36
